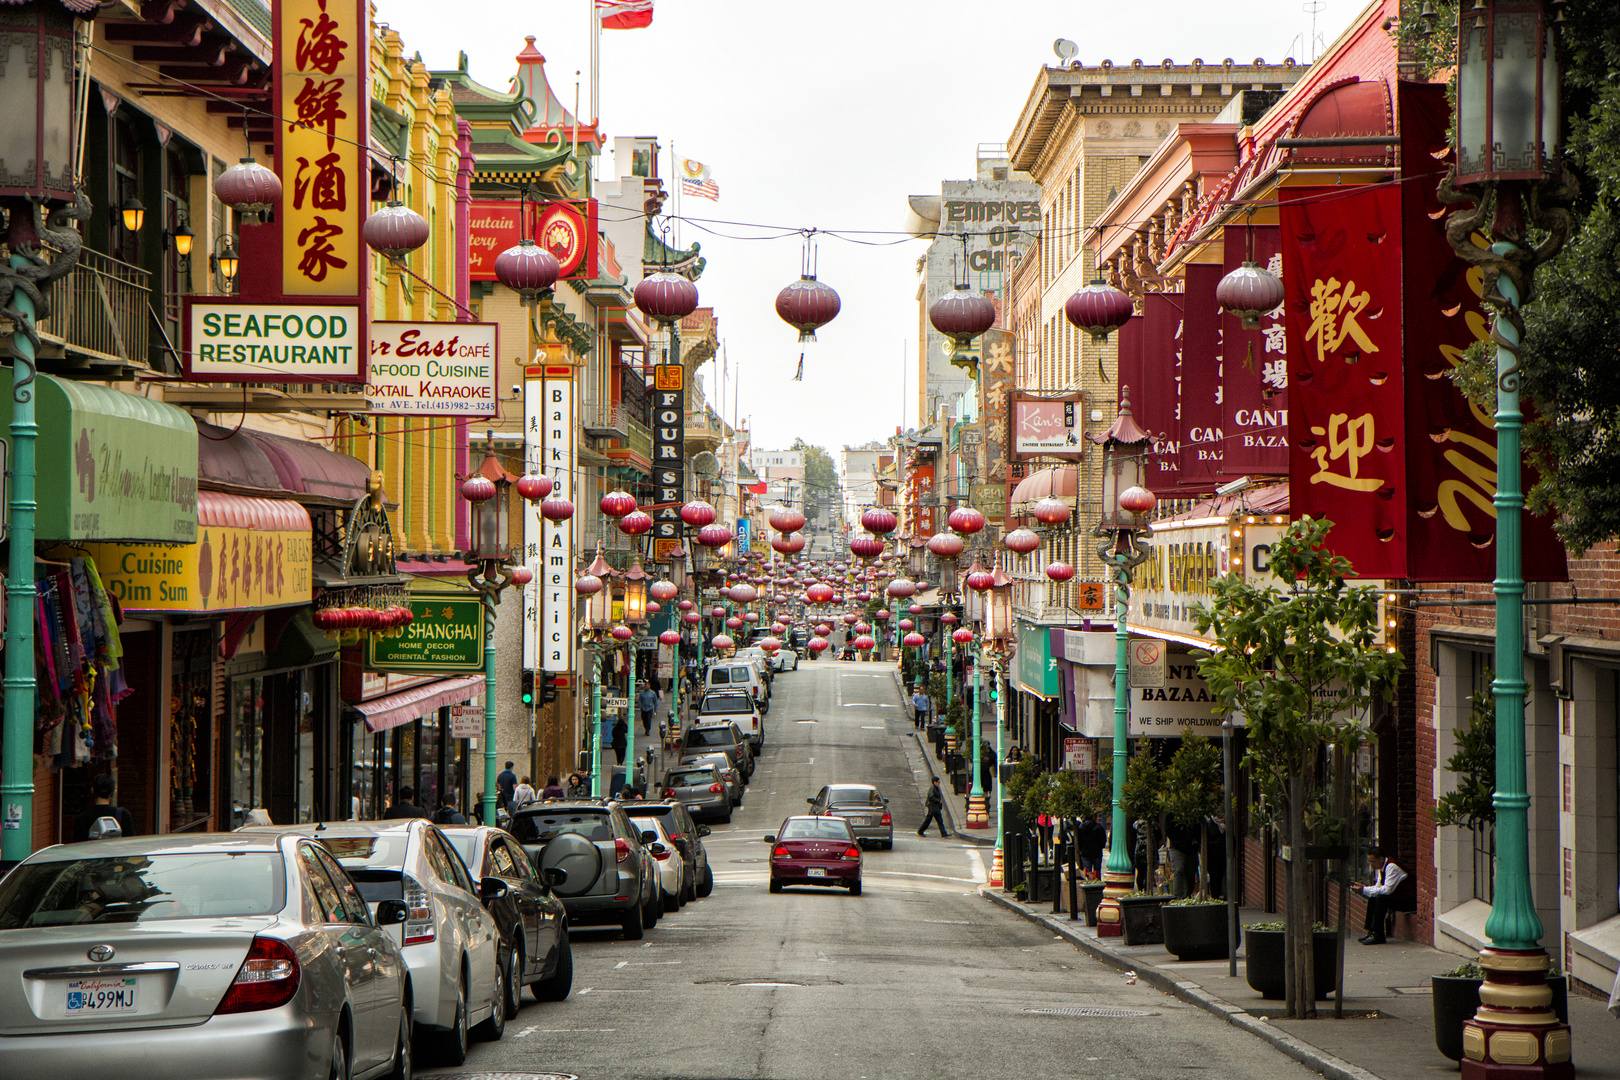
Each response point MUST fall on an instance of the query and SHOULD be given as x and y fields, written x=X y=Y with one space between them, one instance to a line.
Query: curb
x=1335 y=1068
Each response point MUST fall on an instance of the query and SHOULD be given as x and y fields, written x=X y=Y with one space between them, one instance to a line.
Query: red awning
x=224 y=511
x=313 y=471
x=407 y=705
x=1057 y=482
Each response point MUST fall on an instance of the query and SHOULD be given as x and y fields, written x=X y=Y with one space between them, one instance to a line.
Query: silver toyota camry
x=215 y=955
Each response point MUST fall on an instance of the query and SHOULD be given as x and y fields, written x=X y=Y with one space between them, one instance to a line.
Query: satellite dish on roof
x=1066 y=50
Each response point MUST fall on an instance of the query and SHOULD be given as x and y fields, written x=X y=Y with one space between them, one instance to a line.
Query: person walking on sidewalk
x=936 y=809
x=920 y=708
x=647 y=702
x=1381 y=896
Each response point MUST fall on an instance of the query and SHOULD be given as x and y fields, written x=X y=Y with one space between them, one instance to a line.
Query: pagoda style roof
x=659 y=257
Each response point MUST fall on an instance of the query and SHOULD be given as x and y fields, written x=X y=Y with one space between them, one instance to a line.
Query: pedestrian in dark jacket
x=935 y=803
x=404 y=805
x=620 y=737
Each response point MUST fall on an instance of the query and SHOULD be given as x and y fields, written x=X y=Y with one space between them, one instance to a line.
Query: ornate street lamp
x=917 y=557
x=1122 y=531
x=1507 y=131
x=488 y=490
x=997 y=630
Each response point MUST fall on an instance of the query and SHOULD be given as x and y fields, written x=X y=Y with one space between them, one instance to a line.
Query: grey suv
x=612 y=878
x=721 y=738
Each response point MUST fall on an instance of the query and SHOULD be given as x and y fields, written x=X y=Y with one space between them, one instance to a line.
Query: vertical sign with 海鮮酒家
x=548 y=546
x=668 y=458
x=322 y=105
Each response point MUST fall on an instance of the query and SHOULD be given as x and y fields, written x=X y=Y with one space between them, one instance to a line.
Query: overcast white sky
x=826 y=114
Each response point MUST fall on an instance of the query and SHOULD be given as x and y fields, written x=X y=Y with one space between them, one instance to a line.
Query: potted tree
x=1300 y=657
x=1142 y=797
x=1195 y=926
x=1037 y=808
x=1267 y=959
x=1456 y=999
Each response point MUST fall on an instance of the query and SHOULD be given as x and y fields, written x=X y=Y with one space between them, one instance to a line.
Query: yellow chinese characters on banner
x=322 y=100
x=227 y=569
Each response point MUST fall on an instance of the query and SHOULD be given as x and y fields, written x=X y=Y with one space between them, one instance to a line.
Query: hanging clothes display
x=78 y=666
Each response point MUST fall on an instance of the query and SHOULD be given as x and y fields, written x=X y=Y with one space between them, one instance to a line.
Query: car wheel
x=706 y=884
x=514 y=986
x=670 y=901
x=404 y=1067
x=689 y=890
x=855 y=888
x=776 y=886
x=631 y=924
x=451 y=1046
x=651 y=911
x=727 y=819
x=339 y=1069
x=493 y=1028
x=562 y=980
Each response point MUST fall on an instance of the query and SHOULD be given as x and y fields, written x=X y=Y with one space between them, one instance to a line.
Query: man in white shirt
x=1380 y=896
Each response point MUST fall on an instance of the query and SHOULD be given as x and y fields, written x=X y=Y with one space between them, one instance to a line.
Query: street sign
x=1148 y=661
x=615 y=703
x=1079 y=755
x=466 y=721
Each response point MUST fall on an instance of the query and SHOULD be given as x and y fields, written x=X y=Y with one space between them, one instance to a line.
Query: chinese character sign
x=322 y=102
x=1347 y=463
x=1254 y=369
x=669 y=458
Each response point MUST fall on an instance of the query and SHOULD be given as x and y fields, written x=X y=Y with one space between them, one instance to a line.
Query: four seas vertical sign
x=668 y=451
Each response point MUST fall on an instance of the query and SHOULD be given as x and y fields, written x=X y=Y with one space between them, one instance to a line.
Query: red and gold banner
x=1254 y=369
x=1342 y=260
x=1149 y=363
x=322 y=98
x=566 y=229
x=1452 y=478
x=1202 y=441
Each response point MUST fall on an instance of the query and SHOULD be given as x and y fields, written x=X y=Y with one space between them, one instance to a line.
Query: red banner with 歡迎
x=1254 y=368
x=1347 y=443
x=1202 y=441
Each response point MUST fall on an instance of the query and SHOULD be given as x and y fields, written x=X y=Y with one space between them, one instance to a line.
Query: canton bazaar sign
x=444 y=368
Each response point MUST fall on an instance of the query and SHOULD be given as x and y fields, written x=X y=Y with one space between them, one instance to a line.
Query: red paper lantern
x=962 y=315
x=1099 y=309
x=528 y=269
x=522 y=575
x=722 y=641
x=691 y=618
x=962 y=635
x=697 y=514
x=1050 y=511
x=685 y=605
x=913 y=639
x=866 y=546
x=864 y=643
x=622 y=633
x=669 y=637
x=717 y=612
x=789 y=544
x=883 y=615
x=850 y=618
x=714 y=536
x=1249 y=292
x=817 y=645
x=394 y=231
x=553 y=508
x=663 y=590
x=248 y=187
x=587 y=585
x=862 y=627
x=1023 y=541
x=906 y=624
x=769 y=644
x=1138 y=500
x=535 y=487
x=478 y=488
x=786 y=519
x=616 y=504
x=743 y=594
x=978 y=578
x=734 y=623
x=636 y=523
x=807 y=305
x=666 y=298
x=818 y=594
x=1059 y=571
x=902 y=588
x=949 y=618
x=965 y=520
x=879 y=521
x=946 y=545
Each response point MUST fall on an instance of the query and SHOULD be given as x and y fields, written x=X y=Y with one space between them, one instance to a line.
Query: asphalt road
x=918 y=977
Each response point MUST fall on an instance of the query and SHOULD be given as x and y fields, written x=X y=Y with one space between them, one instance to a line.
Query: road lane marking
x=644 y=963
x=868 y=705
x=526 y=1031
x=930 y=877
x=593 y=990
x=980 y=874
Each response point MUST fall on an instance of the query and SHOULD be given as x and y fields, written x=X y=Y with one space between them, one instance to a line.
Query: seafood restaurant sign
x=444 y=368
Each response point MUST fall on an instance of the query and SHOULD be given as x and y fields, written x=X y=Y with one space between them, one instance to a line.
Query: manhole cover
x=505 y=1076
x=1089 y=1010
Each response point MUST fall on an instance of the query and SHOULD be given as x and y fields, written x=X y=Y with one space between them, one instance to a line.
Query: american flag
x=703 y=189
x=624 y=14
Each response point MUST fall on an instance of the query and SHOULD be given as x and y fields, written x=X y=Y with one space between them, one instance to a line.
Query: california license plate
x=816 y=871
x=87 y=997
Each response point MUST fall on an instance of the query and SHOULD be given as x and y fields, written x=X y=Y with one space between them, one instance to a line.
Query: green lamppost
x=489 y=491
x=1507 y=144
x=1122 y=530
x=596 y=613
x=635 y=617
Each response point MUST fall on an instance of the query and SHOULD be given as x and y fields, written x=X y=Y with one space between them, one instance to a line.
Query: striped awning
x=407 y=705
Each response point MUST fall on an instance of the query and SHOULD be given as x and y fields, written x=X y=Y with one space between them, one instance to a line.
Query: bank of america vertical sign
x=668 y=457
x=548 y=442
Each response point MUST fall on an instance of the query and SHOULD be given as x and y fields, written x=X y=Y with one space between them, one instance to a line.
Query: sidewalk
x=955 y=805
x=1393 y=979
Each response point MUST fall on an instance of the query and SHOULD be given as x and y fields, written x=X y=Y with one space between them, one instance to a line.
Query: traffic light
x=528 y=688
x=548 y=688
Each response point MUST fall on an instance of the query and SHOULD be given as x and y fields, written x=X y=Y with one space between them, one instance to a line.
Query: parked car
x=204 y=951
x=669 y=864
x=735 y=785
x=785 y=659
x=738 y=674
x=859 y=804
x=733 y=708
x=726 y=738
x=533 y=922
x=762 y=663
x=611 y=876
x=701 y=789
x=815 y=851
x=688 y=837
x=450 y=942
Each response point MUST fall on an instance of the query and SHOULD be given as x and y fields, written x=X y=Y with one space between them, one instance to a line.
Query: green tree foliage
x=1571 y=377
x=1474 y=763
x=1143 y=795
x=820 y=477
x=1192 y=795
x=1299 y=656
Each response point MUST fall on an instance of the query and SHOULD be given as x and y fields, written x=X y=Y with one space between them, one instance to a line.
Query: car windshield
x=725 y=703
x=649 y=824
x=142 y=888
x=715 y=736
x=543 y=828
x=465 y=843
x=385 y=851
x=816 y=829
x=691 y=778
x=858 y=796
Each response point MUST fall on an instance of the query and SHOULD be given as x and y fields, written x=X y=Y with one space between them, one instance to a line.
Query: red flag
x=624 y=14
x=1202 y=440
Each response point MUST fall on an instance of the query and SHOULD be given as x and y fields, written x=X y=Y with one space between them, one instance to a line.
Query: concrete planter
x=1195 y=931
x=1141 y=918
x=1457 y=999
x=1091 y=892
x=1266 y=967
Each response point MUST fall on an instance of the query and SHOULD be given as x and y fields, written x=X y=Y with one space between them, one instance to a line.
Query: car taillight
x=717 y=789
x=852 y=853
x=669 y=793
x=419 y=927
x=887 y=819
x=267 y=979
x=621 y=849
x=661 y=855
x=780 y=853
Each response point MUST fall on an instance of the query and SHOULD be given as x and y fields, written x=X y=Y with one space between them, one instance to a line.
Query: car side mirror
x=812 y=802
x=491 y=889
x=648 y=837
x=391 y=912
x=657 y=848
x=704 y=830
x=770 y=839
x=554 y=876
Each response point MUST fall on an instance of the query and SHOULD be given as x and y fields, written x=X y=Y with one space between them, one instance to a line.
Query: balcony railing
x=606 y=420
x=637 y=440
x=104 y=307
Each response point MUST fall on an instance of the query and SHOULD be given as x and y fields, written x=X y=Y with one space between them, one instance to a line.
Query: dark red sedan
x=815 y=851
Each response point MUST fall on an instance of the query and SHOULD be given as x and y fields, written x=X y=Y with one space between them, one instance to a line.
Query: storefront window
x=427 y=785
x=302 y=685
x=191 y=731
x=247 y=753
x=404 y=772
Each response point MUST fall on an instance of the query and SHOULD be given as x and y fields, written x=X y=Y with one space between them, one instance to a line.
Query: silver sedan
x=214 y=955
x=859 y=804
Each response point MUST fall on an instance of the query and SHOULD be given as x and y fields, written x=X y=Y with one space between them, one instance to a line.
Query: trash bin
x=1041 y=883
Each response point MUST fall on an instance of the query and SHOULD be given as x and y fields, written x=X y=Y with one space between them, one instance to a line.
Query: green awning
x=111 y=466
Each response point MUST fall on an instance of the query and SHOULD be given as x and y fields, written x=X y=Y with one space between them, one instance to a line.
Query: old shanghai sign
x=444 y=368
x=231 y=342
x=445 y=637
